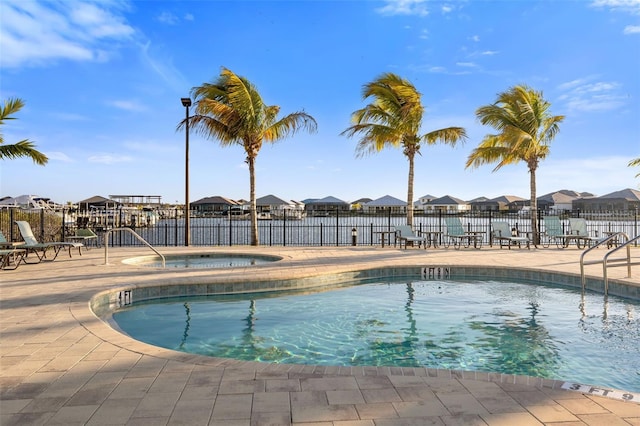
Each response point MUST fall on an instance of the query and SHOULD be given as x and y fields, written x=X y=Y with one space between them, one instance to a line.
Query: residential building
x=623 y=200
x=386 y=204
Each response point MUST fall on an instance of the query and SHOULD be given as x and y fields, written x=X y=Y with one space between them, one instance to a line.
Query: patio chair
x=554 y=233
x=406 y=234
x=457 y=235
x=31 y=244
x=578 y=227
x=505 y=235
x=84 y=235
x=12 y=258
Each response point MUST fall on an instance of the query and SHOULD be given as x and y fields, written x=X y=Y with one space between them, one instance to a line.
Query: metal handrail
x=605 y=260
x=135 y=234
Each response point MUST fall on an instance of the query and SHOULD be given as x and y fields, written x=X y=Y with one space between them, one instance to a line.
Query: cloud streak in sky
x=35 y=33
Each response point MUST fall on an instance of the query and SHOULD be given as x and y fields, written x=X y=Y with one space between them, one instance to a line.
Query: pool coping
x=104 y=303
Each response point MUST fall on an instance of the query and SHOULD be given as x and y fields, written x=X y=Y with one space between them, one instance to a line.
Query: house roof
x=386 y=200
x=326 y=200
x=627 y=194
x=481 y=199
x=216 y=199
x=508 y=199
x=447 y=200
x=270 y=200
x=361 y=201
x=98 y=200
x=558 y=197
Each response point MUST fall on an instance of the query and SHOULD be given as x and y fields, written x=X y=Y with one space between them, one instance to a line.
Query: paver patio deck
x=59 y=364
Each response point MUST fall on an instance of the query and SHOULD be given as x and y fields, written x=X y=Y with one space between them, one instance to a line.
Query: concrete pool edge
x=102 y=303
x=150 y=260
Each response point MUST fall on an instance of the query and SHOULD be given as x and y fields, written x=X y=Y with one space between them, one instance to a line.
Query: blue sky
x=102 y=82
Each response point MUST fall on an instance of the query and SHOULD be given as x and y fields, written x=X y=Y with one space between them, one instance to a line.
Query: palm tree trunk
x=410 y=191
x=252 y=197
x=534 y=206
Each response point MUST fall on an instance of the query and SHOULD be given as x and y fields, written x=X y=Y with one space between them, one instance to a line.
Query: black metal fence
x=332 y=228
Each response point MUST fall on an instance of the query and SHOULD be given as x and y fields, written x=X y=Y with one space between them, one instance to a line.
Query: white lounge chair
x=578 y=227
x=503 y=233
x=406 y=235
x=31 y=244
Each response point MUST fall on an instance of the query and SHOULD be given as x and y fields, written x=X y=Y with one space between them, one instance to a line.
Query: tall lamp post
x=186 y=102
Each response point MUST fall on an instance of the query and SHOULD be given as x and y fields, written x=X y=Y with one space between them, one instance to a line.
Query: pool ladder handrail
x=606 y=262
x=135 y=234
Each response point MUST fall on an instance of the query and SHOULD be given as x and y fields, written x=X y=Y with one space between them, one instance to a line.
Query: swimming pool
x=460 y=324
x=203 y=260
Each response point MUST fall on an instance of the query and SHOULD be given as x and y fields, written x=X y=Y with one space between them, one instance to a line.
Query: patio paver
x=59 y=364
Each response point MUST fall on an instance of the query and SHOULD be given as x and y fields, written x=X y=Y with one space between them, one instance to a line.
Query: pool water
x=207 y=260
x=493 y=326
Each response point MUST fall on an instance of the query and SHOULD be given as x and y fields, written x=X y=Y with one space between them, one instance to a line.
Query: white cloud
x=628 y=6
x=37 y=32
x=66 y=116
x=584 y=94
x=404 y=7
x=490 y=52
x=475 y=38
x=127 y=105
x=109 y=158
x=466 y=64
x=162 y=65
x=167 y=18
x=446 y=8
x=632 y=29
x=59 y=156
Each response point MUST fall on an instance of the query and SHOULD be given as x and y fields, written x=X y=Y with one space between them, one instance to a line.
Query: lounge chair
x=457 y=235
x=31 y=244
x=406 y=234
x=554 y=233
x=505 y=235
x=578 y=227
x=11 y=258
x=84 y=235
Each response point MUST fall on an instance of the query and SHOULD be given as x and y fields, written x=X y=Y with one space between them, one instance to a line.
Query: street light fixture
x=186 y=102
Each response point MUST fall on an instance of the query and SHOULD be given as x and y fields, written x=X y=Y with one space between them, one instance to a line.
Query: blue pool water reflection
x=489 y=325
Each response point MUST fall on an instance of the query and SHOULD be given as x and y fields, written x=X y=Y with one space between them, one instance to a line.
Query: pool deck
x=59 y=364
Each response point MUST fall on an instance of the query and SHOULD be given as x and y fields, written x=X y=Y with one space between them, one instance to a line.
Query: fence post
x=175 y=228
x=337 y=226
x=42 y=225
x=284 y=227
x=63 y=227
x=371 y=234
x=11 y=219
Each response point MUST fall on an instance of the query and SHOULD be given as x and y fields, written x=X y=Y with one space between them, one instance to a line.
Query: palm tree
x=394 y=118
x=525 y=129
x=231 y=110
x=24 y=148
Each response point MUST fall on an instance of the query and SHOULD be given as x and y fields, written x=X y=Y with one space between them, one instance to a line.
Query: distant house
x=325 y=206
x=501 y=203
x=448 y=204
x=421 y=202
x=357 y=204
x=560 y=200
x=626 y=199
x=97 y=202
x=31 y=202
x=275 y=207
x=385 y=204
x=215 y=205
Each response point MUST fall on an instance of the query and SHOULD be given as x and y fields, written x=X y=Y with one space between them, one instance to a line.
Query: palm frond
x=23 y=148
